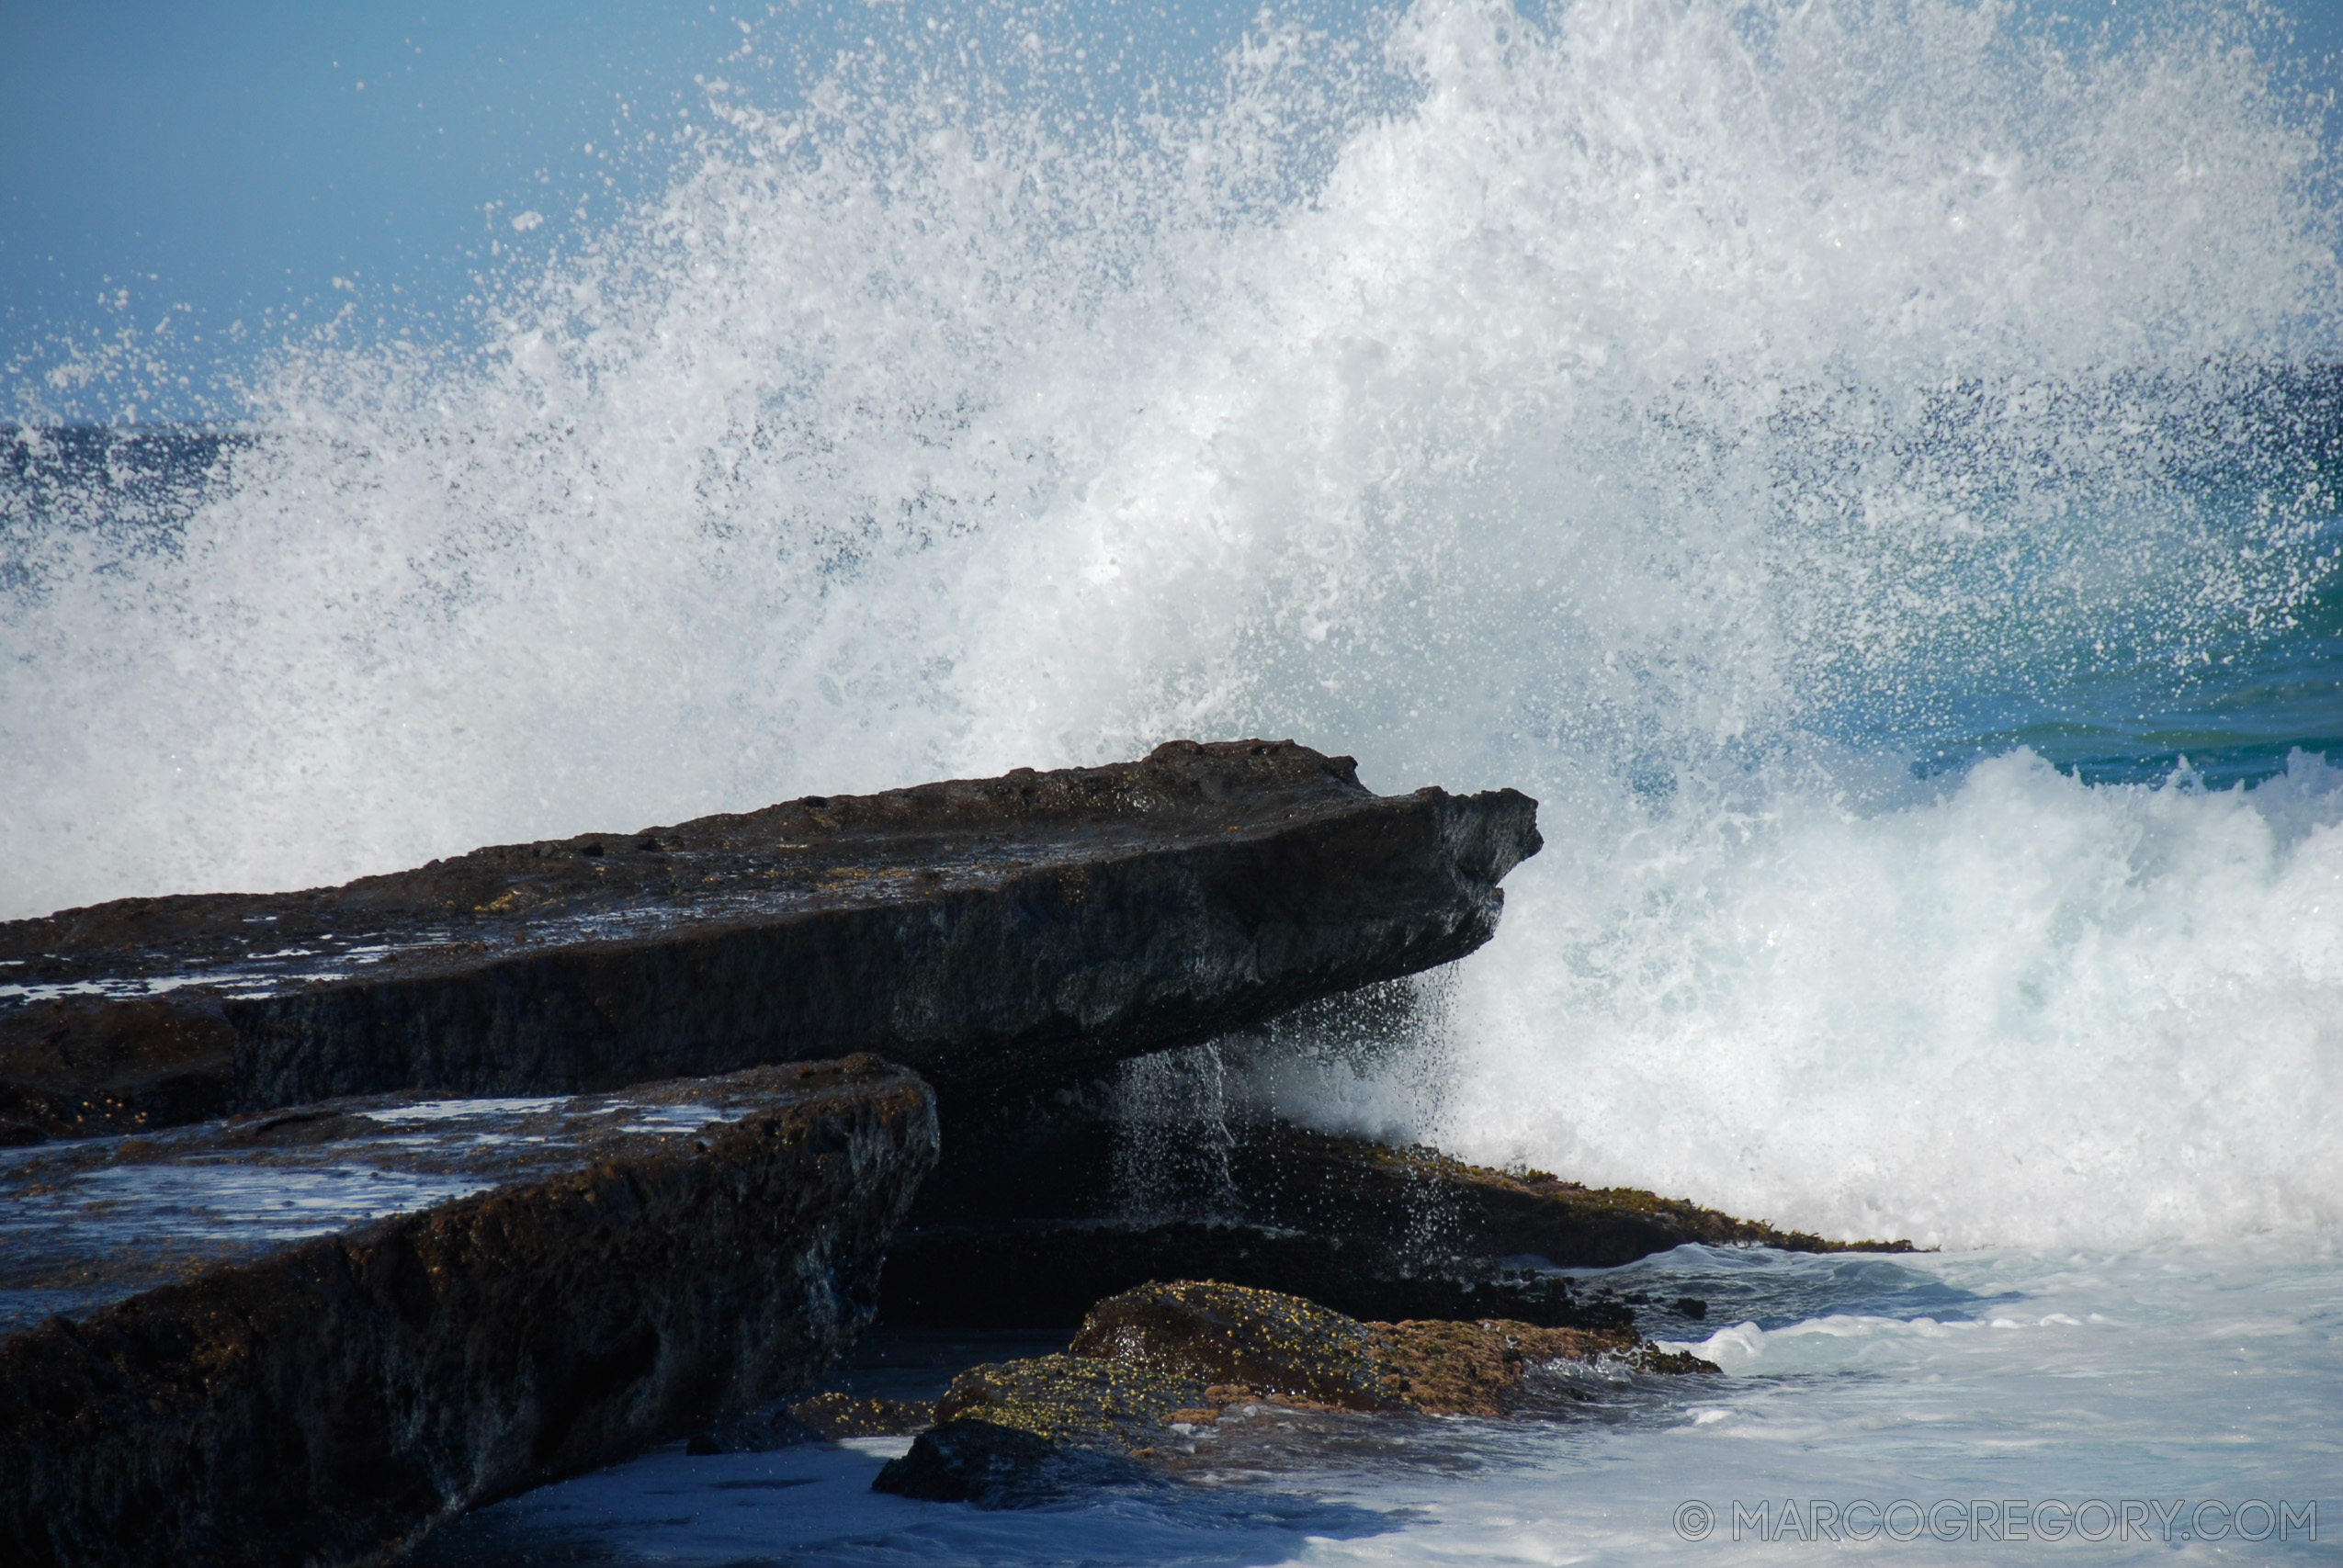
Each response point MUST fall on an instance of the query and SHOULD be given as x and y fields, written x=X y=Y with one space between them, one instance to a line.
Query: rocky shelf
x=990 y=934
x=310 y=1336
x=331 y=1214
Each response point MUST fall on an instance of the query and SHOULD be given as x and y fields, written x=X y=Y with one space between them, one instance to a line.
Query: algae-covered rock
x=1486 y=1368
x=1155 y=1366
x=1014 y=1433
x=1248 y=1344
x=1231 y=1337
x=837 y=1415
x=1086 y=1401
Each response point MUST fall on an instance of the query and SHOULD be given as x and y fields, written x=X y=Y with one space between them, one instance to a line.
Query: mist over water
x=1771 y=436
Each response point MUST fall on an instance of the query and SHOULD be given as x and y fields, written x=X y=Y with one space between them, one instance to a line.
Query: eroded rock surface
x=572 y=1281
x=1255 y=1343
x=990 y=933
x=1154 y=1370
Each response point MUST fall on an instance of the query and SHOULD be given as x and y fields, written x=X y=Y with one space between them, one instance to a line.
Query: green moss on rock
x=1156 y=1363
x=1228 y=1335
x=1081 y=1400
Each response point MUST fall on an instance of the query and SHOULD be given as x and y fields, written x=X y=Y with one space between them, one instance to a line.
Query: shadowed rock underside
x=1023 y=1226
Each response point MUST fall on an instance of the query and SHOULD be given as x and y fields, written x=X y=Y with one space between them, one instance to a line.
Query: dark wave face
x=1842 y=458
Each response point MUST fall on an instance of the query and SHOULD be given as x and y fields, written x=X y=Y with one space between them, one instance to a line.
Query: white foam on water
x=2028 y=1010
x=1664 y=407
x=242 y=1203
x=487 y=1109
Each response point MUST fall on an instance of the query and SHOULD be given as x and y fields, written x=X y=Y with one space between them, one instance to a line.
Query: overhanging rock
x=1034 y=1213
x=992 y=934
x=214 y=1361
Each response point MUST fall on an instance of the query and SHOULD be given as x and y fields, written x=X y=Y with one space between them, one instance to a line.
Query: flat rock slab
x=254 y=1371
x=989 y=933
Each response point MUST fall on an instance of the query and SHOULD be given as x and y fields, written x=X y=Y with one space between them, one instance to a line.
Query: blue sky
x=215 y=168
x=217 y=164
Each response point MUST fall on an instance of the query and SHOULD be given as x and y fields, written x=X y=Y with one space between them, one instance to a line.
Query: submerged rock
x=1153 y=1368
x=996 y=1466
x=990 y=933
x=254 y=1373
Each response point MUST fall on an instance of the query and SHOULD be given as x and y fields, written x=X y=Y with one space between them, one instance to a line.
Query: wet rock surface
x=1253 y=1344
x=840 y=1415
x=1299 y=1177
x=1153 y=1372
x=1226 y=1335
x=996 y=1466
x=989 y=933
x=614 y=1271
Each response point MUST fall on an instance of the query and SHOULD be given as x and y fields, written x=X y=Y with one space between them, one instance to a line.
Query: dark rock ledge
x=617 y=1271
x=1024 y=1226
x=990 y=934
